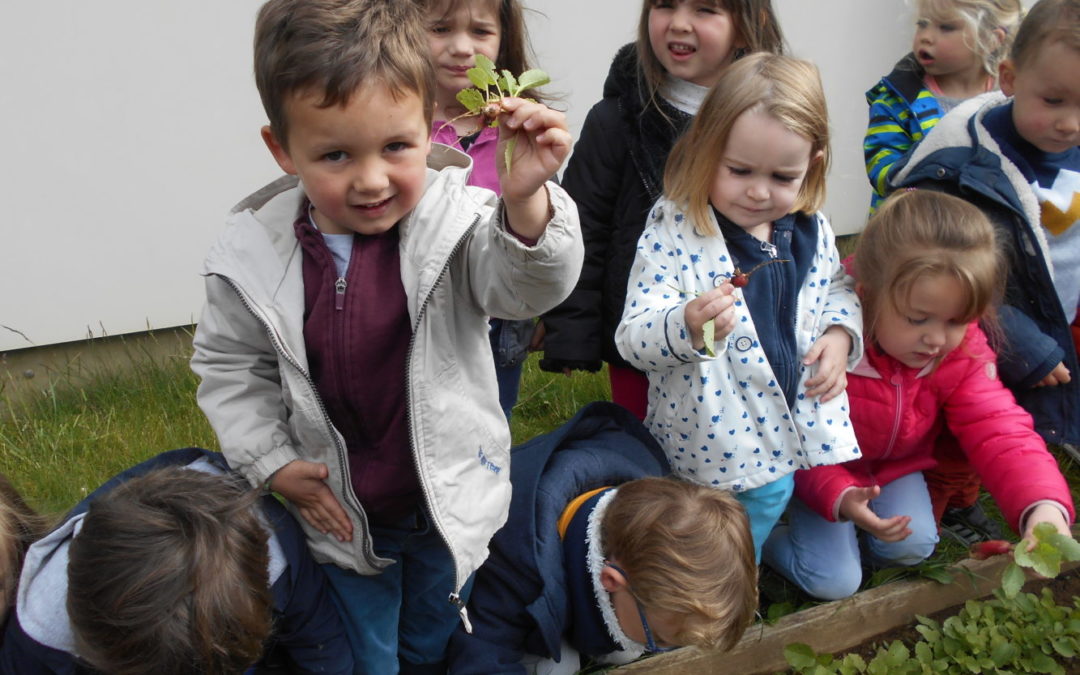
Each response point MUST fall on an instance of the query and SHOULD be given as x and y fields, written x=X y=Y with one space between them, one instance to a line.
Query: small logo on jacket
x=487 y=463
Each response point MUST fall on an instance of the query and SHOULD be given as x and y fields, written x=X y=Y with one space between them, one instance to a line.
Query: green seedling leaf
x=1012 y=580
x=509 y=83
x=709 y=330
x=532 y=79
x=472 y=99
x=509 y=152
x=483 y=74
x=799 y=655
x=1044 y=557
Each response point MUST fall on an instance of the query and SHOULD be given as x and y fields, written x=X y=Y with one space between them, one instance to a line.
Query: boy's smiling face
x=361 y=164
x=1046 y=97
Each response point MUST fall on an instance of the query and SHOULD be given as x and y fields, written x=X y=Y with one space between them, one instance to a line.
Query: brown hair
x=787 y=89
x=20 y=526
x=336 y=47
x=922 y=232
x=687 y=549
x=1047 y=22
x=514 y=49
x=169 y=575
x=981 y=18
x=756 y=30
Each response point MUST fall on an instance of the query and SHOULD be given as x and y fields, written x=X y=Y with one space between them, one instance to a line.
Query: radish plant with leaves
x=491 y=87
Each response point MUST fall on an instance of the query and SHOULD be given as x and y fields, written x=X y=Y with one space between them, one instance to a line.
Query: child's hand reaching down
x=717 y=305
x=1045 y=513
x=855 y=506
x=304 y=484
x=830 y=352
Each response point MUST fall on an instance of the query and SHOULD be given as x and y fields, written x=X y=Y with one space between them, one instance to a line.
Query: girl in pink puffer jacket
x=928 y=271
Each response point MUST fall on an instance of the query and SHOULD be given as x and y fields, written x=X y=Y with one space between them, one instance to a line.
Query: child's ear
x=1007 y=77
x=999 y=36
x=281 y=155
x=611 y=579
x=816 y=157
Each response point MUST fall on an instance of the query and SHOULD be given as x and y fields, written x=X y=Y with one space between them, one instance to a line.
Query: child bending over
x=174 y=567
x=928 y=271
x=602 y=559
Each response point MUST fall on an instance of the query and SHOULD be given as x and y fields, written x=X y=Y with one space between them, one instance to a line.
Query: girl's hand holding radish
x=830 y=352
x=717 y=305
x=855 y=506
x=1045 y=513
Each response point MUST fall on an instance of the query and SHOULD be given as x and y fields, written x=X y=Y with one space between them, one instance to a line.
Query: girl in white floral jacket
x=738 y=307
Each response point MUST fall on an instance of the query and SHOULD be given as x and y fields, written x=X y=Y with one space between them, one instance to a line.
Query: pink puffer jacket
x=898 y=412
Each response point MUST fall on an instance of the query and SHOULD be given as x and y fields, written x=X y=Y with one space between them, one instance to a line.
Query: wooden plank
x=835 y=626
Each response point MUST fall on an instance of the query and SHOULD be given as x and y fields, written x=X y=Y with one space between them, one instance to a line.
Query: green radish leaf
x=472 y=99
x=485 y=71
x=510 y=83
x=1069 y=547
x=509 y=152
x=709 y=329
x=1012 y=580
x=531 y=79
x=799 y=655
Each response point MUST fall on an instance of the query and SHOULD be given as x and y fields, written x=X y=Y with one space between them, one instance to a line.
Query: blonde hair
x=686 y=549
x=1047 y=22
x=916 y=233
x=981 y=18
x=787 y=89
x=20 y=526
x=755 y=25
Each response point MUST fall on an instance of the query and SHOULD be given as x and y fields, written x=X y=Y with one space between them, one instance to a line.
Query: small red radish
x=985 y=549
x=739 y=278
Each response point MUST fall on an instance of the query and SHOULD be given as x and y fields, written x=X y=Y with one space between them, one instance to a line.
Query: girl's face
x=693 y=39
x=929 y=327
x=942 y=47
x=456 y=37
x=760 y=172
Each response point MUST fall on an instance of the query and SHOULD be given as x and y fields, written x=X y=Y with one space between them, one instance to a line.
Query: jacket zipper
x=897 y=382
x=455 y=597
x=369 y=553
x=339 y=293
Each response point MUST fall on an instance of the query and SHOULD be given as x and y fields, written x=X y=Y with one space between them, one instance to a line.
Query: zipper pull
x=456 y=601
x=339 y=289
x=769 y=248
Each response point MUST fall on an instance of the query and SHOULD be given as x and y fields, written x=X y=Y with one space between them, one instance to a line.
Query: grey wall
x=131 y=126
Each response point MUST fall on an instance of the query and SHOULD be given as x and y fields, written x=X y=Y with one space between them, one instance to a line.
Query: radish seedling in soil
x=486 y=103
x=738 y=279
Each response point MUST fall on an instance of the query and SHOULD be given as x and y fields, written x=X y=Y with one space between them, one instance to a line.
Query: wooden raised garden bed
x=841 y=625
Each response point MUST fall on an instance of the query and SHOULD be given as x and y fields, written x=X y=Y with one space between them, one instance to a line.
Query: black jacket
x=615 y=175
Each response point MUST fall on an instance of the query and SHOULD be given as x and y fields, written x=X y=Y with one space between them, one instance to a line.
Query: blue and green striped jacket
x=902 y=111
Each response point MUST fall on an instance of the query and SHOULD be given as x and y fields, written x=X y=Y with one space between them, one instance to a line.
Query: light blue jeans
x=764 y=505
x=823 y=558
x=401 y=618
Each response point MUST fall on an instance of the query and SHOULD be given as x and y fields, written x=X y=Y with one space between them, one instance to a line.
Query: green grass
x=61 y=443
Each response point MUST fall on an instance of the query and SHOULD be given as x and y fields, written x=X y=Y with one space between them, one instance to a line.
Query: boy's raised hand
x=304 y=485
x=855 y=506
x=830 y=352
x=542 y=142
x=717 y=304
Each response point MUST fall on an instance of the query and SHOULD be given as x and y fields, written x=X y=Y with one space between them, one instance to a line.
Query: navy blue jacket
x=520 y=603
x=308 y=630
x=961 y=158
x=614 y=176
